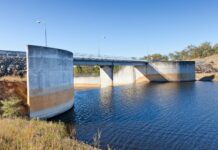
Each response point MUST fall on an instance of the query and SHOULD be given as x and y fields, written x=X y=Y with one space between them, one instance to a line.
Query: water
x=148 y=116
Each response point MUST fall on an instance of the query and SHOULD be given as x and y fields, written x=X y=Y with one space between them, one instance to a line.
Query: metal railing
x=104 y=57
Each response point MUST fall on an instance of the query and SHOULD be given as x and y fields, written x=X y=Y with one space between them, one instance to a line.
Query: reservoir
x=148 y=116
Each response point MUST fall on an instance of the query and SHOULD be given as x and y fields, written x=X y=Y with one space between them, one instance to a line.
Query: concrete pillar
x=106 y=76
x=125 y=75
x=49 y=81
x=140 y=74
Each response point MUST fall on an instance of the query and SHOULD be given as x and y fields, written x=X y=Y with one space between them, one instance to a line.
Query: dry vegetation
x=207 y=68
x=23 y=134
x=36 y=135
x=13 y=78
x=13 y=93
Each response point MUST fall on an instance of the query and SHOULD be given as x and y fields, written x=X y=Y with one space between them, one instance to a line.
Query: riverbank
x=37 y=135
x=25 y=134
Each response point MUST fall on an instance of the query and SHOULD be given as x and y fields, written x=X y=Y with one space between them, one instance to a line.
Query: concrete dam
x=50 y=78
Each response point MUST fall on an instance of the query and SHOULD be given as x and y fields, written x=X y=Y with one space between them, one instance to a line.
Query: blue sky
x=130 y=27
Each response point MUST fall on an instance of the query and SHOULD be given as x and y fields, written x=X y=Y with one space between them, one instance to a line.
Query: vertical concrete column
x=106 y=76
x=140 y=74
x=125 y=75
x=49 y=80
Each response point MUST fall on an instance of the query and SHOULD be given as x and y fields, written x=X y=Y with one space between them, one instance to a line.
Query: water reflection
x=149 y=116
x=106 y=98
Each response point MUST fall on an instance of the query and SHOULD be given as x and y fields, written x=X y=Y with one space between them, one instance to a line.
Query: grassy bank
x=36 y=135
x=24 y=134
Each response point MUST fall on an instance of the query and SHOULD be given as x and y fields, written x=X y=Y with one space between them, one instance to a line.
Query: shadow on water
x=67 y=117
x=207 y=78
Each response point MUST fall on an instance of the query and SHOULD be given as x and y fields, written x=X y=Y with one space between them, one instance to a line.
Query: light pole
x=40 y=22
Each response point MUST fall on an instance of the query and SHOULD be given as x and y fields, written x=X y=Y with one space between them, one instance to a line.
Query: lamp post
x=45 y=30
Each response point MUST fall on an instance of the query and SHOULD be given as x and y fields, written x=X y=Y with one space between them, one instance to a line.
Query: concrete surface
x=126 y=75
x=49 y=81
x=84 y=82
x=171 y=71
x=106 y=76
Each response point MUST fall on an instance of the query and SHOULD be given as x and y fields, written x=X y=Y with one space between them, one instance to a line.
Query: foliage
x=86 y=70
x=156 y=57
x=116 y=69
x=190 y=52
x=11 y=107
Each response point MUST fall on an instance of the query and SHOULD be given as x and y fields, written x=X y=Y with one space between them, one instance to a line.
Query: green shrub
x=11 y=107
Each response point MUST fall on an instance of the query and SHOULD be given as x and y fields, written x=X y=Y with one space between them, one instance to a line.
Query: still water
x=148 y=116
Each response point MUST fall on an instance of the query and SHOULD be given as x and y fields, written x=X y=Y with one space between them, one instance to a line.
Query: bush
x=11 y=107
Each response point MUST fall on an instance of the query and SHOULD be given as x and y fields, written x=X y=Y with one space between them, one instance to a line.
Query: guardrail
x=104 y=57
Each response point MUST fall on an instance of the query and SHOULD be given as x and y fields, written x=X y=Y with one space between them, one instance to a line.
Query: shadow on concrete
x=152 y=74
x=207 y=78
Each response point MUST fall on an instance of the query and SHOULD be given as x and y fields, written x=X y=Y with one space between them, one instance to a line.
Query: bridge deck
x=107 y=62
x=81 y=59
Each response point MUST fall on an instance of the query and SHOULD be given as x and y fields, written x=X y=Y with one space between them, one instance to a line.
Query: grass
x=23 y=134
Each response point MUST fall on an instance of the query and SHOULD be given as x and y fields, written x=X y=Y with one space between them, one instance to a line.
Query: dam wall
x=87 y=82
x=170 y=71
x=140 y=73
x=49 y=81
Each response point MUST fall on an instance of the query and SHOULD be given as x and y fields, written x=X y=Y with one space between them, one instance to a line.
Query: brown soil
x=207 y=65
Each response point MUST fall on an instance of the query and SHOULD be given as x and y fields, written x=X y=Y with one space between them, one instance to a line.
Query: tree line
x=190 y=52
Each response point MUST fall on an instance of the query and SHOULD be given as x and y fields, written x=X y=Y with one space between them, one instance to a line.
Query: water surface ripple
x=148 y=116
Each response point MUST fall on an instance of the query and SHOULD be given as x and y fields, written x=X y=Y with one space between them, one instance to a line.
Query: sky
x=129 y=28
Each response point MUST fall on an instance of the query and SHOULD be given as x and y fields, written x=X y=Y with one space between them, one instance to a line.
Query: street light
x=41 y=22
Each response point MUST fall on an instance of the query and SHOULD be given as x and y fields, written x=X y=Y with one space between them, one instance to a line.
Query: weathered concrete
x=171 y=71
x=140 y=74
x=86 y=82
x=106 y=76
x=50 y=81
x=150 y=72
x=126 y=75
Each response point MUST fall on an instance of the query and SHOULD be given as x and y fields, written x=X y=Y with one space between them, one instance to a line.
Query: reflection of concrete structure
x=50 y=77
x=106 y=97
x=50 y=81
